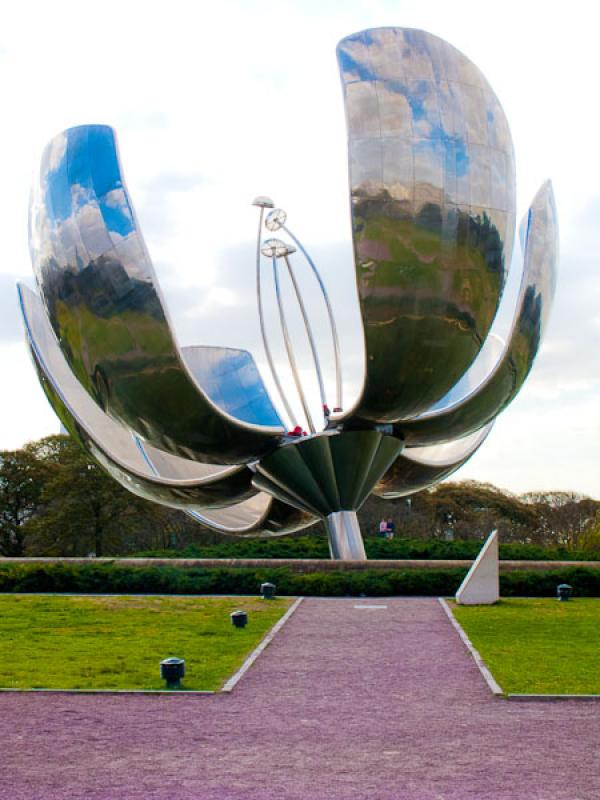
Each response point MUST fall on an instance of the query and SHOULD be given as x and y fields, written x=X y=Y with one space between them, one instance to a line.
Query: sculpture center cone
x=330 y=475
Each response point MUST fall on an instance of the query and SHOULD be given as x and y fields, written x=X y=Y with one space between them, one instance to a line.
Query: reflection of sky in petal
x=232 y=381
x=58 y=191
x=85 y=227
x=116 y=213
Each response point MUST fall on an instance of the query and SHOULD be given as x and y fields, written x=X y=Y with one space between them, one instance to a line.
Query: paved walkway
x=347 y=703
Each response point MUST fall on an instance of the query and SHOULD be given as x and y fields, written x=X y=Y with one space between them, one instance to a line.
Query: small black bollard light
x=267 y=591
x=239 y=619
x=564 y=592
x=172 y=671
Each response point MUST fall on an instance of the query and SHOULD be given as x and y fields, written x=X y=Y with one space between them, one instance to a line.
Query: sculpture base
x=345 y=538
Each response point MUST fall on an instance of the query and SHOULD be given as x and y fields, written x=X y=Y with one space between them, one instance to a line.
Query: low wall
x=305 y=565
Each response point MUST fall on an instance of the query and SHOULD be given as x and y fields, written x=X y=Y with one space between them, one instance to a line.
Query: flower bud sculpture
x=432 y=194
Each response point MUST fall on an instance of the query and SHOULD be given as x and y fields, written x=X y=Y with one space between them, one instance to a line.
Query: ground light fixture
x=172 y=671
x=564 y=592
x=267 y=590
x=239 y=619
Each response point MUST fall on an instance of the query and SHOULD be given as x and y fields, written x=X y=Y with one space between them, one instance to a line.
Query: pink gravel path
x=346 y=704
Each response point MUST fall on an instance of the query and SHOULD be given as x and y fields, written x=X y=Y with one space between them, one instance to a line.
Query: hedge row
x=107 y=578
x=315 y=546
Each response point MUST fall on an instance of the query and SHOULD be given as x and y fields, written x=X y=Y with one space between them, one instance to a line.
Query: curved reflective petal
x=105 y=306
x=540 y=234
x=262 y=516
x=432 y=182
x=139 y=467
x=231 y=379
x=479 y=371
x=418 y=468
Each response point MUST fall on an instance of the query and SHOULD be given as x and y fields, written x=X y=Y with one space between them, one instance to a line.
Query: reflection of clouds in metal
x=105 y=307
x=433 y=202
x=231 y=380
x=221 y=494
x=432 y=191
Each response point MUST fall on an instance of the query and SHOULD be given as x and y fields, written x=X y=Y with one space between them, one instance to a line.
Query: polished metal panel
x=540 y=241
x=261 y=516
x=140 y=467
x=479 y=371
x=231 y=380
x=105 y=306
x=327 y=473
x=219 y=496
x=258 y=515
x=345 y=540
x=418 y=468
x=432 y=184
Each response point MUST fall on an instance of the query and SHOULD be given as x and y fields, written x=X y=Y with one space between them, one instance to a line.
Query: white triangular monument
x=481 y=585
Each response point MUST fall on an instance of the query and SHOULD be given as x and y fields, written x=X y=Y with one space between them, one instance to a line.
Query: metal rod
x=284 y=400
x=334 y=334
x=308 y=328
x=289 y=349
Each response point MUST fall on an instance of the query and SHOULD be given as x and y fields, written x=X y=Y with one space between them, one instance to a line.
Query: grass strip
x=118 y=642
x=538 y=645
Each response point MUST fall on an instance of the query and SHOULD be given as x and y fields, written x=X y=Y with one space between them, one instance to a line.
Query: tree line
x=56 y=501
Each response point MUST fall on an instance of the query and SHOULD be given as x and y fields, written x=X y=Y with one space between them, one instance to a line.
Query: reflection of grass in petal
x=157 y=391
x=118 y=642
x=538 y=646
x=427 y=303
x=122 y=334
x=126 y=338
x=416 y=262
x=385 y=380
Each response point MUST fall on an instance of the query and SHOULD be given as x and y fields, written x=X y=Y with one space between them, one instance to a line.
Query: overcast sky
x=217 y=102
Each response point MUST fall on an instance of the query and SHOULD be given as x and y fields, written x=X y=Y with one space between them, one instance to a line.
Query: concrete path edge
x=493 y=685
x=230 y=685
x=491 y=681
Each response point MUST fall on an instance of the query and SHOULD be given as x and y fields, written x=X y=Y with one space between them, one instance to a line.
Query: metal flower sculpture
x=432 y=191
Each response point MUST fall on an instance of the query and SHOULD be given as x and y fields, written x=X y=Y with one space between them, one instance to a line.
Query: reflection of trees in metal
x=432 y=192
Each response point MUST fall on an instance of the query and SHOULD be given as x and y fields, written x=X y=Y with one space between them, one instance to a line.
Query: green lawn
x=538 y=646
x=80 y=642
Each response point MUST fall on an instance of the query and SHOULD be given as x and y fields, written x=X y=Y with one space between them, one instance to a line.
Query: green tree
x=82 y=509
x=22 y=476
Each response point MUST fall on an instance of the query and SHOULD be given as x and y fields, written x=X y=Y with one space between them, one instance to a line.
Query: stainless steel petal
x=432 y=185
x=232 y=381
x=540 y=236
x=141 y=468
x=262 y=516
x=418 y=468
x=105 y=306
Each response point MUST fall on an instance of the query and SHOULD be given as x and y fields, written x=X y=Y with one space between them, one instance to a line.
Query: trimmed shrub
x=315 y=546
x=113 y=579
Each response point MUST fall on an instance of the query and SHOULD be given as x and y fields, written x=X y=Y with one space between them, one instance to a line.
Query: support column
x=345 y=538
